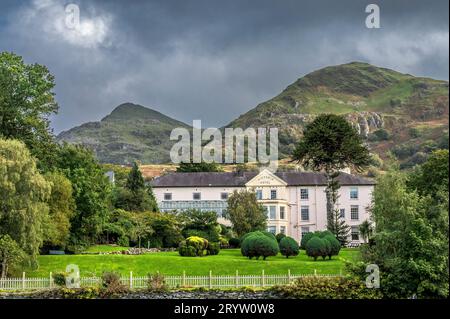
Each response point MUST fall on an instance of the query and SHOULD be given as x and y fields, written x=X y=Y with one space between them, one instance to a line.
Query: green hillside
x=131 y=132
x=393 y=111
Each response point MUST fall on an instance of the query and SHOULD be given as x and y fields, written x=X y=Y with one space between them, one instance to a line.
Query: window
x=167 y=196
x=354 y=212
x=304 y=230
x=272 y=212
x=223 y=196
x=304 y=195
x=258 y=194
x=355 y=232
x=283 y=229
x=273 y=194
x=196 y=196
x=353 y=193
x=282 y=211
x=342 y=212
x=272 y=229
x=304 y=212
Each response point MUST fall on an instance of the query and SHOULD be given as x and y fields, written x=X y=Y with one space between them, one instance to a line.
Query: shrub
x=280 y=236
x=305 y=238
x=379 y=135
x=59 y=279
x=259 y=245
x=259 y=233
x=327 y=251
x=123 y=241
x=288 y=247
x=111 y=284
x=323 y=234
x=213 y=248
x=193 y=246
x=156 y=283
x=269 y=234
x=327 y=288
x=223 y=242
x=316 y=247
x=234 y=242
x=335 y=246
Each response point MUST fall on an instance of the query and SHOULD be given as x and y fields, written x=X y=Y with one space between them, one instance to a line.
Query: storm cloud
x=212 y=60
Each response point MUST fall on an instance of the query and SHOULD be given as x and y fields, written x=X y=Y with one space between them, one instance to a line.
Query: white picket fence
x=211 y=281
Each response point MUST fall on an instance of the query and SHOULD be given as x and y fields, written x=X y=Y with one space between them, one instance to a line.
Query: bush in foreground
x=327 y=288
x=289 y=247
x=112 y=285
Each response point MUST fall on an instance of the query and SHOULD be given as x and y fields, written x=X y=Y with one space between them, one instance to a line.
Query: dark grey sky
x=212 y=60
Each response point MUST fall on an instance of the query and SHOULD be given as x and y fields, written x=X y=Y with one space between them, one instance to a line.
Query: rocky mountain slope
x=131 y=132
x=394 y=112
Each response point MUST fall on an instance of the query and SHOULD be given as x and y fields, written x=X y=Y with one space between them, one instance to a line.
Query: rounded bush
x=323 y=234
x=213 y=248
x=305 y=238
x=316 y=247
x=335 y=246
x=289 y=247
x=234 y=242
x=193 y=246
x=280 y=236
x=259 y=245
x=259 y=233
x=327 y=251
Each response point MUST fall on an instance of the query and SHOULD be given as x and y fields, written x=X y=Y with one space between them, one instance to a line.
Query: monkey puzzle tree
x=330 y=144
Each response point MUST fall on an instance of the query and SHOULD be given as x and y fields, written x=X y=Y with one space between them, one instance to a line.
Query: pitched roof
x=210 y=179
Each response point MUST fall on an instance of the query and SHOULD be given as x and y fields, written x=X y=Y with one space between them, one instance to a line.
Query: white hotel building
x=295 y=201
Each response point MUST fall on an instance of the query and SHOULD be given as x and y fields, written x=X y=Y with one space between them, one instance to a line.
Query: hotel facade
x=295 y=202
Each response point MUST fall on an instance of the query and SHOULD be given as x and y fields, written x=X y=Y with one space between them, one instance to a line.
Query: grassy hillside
x=393 y=111
x=131 y=132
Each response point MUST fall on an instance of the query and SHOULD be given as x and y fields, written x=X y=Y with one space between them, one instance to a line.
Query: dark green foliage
x=246 y=213
x=279 y=237
x=213 y=248
x=289 y=247
x=200 y=223
x=325 y=233
x=379 y=135
x=259 y=244
x=199 y=167
x=234 y=242
x=316 y=247
x=338 y=227
x=334 y=245
x=327 y=288
x=186 y=251
x=305 y=239
x=27 y=100
x=59 y=279
x=166 y=230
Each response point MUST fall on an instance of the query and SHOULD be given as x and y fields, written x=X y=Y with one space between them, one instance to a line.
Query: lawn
x=171 y=263
x=104 y=248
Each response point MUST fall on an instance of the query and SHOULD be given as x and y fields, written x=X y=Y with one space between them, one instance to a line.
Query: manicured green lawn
x=170 y=263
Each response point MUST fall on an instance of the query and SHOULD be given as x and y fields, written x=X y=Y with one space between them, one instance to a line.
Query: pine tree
x=135 y=180
x=337 y=225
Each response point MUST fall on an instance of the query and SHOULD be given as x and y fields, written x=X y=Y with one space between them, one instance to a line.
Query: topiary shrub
x=213 y=249
x=327 y=246
x=323 y=234
x=316 y=247
x=234 y=242
x=288 y=247
x=269 y=234
x=279 y=237
x=193 y=246
x=258 y=245
x=335 y=246
x=305 y=239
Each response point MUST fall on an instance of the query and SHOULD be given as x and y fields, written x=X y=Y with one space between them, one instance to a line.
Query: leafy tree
x=11 y=255
x=167 y=230
x=330 y=144
x=142 y=227
x=366 y=230
x=245 y=212
x=26 y=102
x=410 y=249
x=61 y=210
x=289 y=247
x=199 y=167
x=135 y=195
x=432 y=176
x=23 y=197
x=202 y=224
x=316 y=247
x=91 y=191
